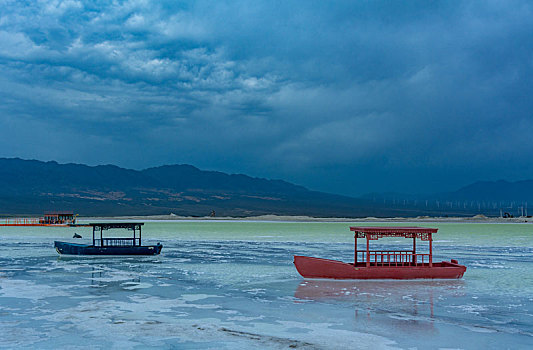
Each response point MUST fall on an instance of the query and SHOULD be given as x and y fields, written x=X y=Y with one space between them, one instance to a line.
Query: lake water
x=232 y=285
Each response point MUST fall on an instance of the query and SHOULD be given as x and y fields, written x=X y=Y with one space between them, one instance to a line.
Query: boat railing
x=393 y=258
x=118 y=242
x=20 y=221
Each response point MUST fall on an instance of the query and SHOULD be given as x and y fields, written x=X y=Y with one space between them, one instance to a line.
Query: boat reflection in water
x=406 y=306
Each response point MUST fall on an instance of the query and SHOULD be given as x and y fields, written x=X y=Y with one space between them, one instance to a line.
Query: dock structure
x=50 y=218
x=58 y=218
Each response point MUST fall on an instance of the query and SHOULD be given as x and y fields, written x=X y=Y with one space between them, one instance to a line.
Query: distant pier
x=55 y=219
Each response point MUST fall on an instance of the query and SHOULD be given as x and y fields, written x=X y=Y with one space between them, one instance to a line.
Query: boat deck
x=311 y=267
x=401 y=264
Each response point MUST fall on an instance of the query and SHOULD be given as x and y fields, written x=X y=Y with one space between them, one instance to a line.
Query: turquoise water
x=233 y=285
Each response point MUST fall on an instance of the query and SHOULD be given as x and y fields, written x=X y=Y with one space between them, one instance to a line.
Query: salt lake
x=232 y=285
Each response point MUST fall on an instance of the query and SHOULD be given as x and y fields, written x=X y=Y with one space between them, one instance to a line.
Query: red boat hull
x=310 y=267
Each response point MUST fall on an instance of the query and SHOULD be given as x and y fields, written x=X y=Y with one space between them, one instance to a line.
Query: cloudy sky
x=347 y=96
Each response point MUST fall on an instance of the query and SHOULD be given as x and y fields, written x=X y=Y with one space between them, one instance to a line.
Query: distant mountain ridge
x=17 y=174
x=32 y=186
x=29 y=187
x=184 y=177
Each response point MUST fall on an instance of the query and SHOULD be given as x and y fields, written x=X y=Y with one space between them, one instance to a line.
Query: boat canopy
x=131 y=226
x=111 y=225
x=374 y=233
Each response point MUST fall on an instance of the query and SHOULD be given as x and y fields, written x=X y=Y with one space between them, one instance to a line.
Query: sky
x=347 y=97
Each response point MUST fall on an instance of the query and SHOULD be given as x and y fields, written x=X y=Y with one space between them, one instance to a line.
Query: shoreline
x=288 y=218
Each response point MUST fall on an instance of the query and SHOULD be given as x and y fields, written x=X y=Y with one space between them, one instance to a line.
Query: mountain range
x=30 y=187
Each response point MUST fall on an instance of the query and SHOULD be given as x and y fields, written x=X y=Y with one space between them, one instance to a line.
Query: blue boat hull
x=84 y=249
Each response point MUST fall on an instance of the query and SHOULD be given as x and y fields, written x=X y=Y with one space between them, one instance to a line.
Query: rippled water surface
x=232 y=285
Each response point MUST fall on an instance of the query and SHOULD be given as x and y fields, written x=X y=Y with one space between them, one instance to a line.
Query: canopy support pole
x=367 y=251
x=355 y=251
x=414 y=250
x=430 y=251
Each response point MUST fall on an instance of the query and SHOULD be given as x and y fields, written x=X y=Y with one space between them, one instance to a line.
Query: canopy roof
x=110 y=225
x=373 y=232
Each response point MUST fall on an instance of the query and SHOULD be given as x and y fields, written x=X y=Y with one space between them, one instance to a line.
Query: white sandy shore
x=274 y=218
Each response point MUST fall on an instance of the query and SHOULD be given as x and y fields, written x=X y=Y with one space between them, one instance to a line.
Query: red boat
x=383 y=264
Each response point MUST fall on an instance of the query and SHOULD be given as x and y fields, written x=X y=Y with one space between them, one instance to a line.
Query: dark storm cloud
x=347 y=96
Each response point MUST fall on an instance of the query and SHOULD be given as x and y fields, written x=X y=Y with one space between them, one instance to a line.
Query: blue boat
x=111 y=246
